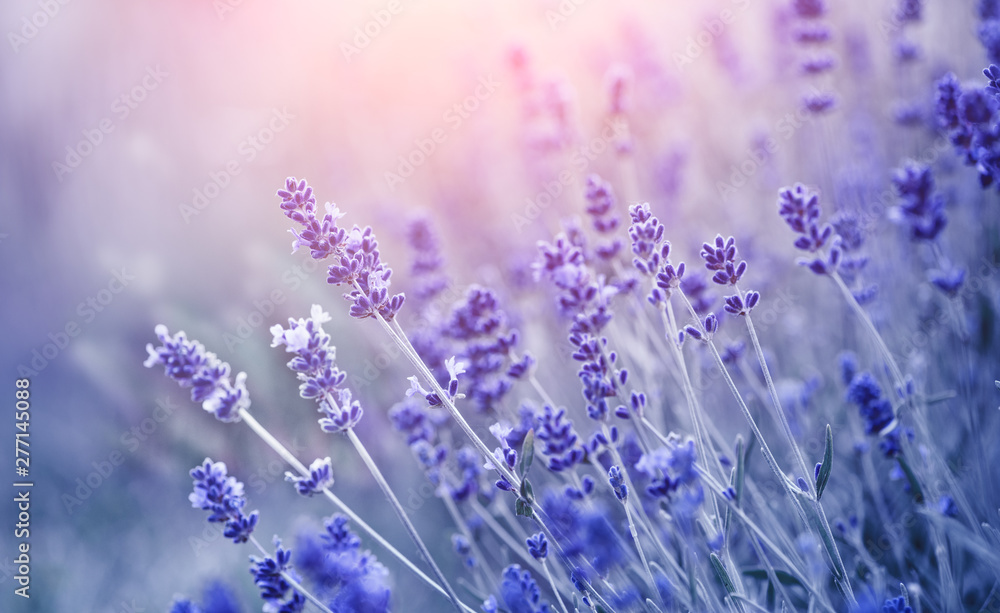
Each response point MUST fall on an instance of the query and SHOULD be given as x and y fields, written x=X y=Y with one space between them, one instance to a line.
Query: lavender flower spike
x=315 y=366
x=216 y=491
x=320 y=478
x=357 y=263
x=191 y=365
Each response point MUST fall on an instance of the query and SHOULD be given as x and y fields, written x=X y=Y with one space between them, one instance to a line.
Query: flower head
x=190 y=365
x=320 y=477
x=216 y=491
x=315 y=367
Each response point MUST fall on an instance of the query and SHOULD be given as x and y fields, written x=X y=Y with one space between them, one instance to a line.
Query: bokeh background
x=196 y=111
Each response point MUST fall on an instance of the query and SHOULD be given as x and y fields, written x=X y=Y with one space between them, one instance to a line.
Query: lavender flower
x=920 y=207
x=909 y=10
x=600 y=207
x=274 y=588
x=877 y=413
x=970 y=117
x=347 y=577
x=485 y=342
x=216 y=491
x=320 y=478
x=809 y=9
x=648 y=246
x=560 y=442
x=520 y=592
x=357 y=262
x=427 y=262
x=538 y=546
x=617 y=480
x=314 y=365
x=896 y=605
x=799 y=207
x=721 y=257
x=190 y=365
x=946 y=101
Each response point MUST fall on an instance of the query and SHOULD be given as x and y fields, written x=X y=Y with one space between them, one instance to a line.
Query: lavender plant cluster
x=634 y=421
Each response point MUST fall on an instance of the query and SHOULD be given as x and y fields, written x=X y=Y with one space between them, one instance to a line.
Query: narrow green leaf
x=651 y=606
x=918 y=492
x=526 y=492
x=723 y=574
x=784 y=577
x=522 y=508
x=527 y=453
x=824 y=469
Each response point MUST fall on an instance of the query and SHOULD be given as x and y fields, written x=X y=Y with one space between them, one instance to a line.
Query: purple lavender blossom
x=357 y=262
x=560 y=442
x=216 y=491
x=799 y=207
x=617 y=481
x=809 y=9
x=721 y=258
x=314 y=365
x=190 y=365
x=520 y=592
x=320 y=478
x=275 y=590
x=346 y=577
x=538 y=546
x=922 y=209
x=601 y=209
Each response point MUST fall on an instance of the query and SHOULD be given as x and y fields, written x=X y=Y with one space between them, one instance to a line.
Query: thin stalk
x=638 y=546
x=403 y=517
x=398 y=336
x=670 y=323
x=821 y=523
x=487 y=571
x=552 y=583
x=294 y=462
x=776 y=404
x=897 y=373
x=717 y=488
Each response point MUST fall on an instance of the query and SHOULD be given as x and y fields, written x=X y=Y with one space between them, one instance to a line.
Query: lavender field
x=547 y=306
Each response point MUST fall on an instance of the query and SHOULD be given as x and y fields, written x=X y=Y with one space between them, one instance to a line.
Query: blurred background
x=142 y=144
